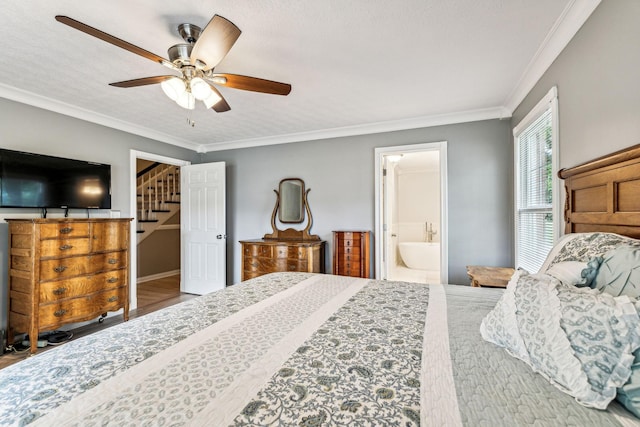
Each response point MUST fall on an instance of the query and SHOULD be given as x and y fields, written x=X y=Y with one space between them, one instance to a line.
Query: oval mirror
x=291 y=208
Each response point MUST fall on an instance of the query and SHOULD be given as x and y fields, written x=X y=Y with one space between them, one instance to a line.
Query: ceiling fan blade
x=113 y=40
x=253 y=84
x=141 y=82
x=215 y=41
x=220 y=106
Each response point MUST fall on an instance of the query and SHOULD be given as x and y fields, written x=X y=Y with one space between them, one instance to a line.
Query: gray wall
x=31 y=129
x=340 y=174
x=598 y=79
x=160 y=252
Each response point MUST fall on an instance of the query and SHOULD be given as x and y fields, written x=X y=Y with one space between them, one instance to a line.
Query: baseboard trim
x=157 y=276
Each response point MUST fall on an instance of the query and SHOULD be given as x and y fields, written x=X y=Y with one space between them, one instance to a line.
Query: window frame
x=550 y=100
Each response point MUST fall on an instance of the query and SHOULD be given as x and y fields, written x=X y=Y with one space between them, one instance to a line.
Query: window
x=536 y=185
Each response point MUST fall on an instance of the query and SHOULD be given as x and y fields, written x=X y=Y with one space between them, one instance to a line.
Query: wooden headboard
x=604 y=194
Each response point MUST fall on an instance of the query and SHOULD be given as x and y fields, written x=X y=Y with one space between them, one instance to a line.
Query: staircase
x=158 y=196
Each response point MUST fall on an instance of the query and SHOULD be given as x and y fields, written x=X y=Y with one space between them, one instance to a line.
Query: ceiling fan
x=195 y=61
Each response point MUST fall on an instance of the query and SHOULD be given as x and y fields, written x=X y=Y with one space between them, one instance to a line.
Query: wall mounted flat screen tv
x=36 y=181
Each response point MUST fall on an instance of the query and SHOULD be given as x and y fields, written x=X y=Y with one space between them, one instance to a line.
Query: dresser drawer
x=82 y=308
x=60 y=289
x=109 y=236
x=251 y=263
x=290 y=265
x=349 y=268
x=291 y=252
x=64 y=247
x=349 y=239
x=348 y=251
x=271 y=265
x=64 y=229
x=257 y=250
x=246 y=275
x=55 y=269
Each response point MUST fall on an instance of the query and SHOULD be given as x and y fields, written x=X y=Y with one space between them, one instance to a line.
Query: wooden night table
x=495 y=277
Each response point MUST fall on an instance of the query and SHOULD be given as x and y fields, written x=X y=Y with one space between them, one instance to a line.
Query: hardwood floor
x=153 y=295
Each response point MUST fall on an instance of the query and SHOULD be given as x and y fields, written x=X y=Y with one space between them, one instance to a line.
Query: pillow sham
x=619 y=273
x=581 y=340
x=584 y=247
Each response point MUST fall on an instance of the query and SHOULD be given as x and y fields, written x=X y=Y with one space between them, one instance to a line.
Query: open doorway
x=156 y=207
x=411 y=214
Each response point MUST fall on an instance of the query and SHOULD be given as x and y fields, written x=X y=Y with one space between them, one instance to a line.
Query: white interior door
x=203 y=225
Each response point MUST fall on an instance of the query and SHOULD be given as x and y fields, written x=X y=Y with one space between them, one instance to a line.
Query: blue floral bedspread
x=293 y=349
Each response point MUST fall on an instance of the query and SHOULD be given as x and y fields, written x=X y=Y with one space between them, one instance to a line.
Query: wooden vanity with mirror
x=289 y=249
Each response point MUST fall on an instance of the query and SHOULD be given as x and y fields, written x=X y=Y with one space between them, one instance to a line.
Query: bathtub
x=420 y=255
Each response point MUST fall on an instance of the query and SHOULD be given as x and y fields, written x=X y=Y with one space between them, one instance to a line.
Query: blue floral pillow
x=580 y=339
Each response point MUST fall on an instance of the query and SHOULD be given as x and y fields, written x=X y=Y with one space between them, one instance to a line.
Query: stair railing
x=155 y=188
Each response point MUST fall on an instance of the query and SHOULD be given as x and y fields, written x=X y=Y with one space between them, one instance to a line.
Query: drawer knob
x=113 y=298
x=112 y=261
x=59 y=291
x=60 y=269
x=66 y=247
x=60 y=313
x=112 y=280
x=66 y=230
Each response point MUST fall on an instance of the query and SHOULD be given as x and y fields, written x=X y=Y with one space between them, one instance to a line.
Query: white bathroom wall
x=418 y=197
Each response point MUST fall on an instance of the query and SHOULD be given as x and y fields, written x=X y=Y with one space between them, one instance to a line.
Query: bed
x=302 y=349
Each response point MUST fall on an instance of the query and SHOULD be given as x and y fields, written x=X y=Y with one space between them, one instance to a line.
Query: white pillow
x=569 y=272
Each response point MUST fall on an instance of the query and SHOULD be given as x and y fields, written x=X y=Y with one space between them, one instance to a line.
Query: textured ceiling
x=355 y=66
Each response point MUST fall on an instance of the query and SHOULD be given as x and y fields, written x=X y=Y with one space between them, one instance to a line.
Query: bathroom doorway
x=411 y=215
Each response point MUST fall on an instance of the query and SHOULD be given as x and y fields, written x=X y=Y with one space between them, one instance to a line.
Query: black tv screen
x=30 y=180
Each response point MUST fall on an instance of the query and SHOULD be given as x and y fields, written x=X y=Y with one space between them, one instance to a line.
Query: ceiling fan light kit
x=173 y=87
x=195 y=61
x=199 y=88
x=186 y=100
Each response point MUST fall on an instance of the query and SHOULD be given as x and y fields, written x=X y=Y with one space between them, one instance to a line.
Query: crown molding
x=55 y=106
x=364 y=129
x=566 y=26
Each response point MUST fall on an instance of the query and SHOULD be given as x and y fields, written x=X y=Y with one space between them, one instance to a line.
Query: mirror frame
x=290 y=233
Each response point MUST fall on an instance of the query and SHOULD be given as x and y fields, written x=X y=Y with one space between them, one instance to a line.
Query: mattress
x=295 y=349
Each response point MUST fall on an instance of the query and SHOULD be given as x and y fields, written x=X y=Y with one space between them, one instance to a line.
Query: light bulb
x=200 y=89
x=186 y=100
x=173 y=87
x=212 y=99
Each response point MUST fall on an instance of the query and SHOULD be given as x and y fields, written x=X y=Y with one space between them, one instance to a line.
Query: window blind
x=534 y=198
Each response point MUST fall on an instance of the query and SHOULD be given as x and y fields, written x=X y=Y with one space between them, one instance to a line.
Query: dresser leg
x=33 y=339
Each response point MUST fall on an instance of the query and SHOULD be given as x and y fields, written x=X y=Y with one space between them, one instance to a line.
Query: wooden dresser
x=351 y=253
x=262 y=256
x=65 y=271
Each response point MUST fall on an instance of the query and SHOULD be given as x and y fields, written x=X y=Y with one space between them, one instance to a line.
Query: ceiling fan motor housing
x=179 y=54
x=189 y=32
